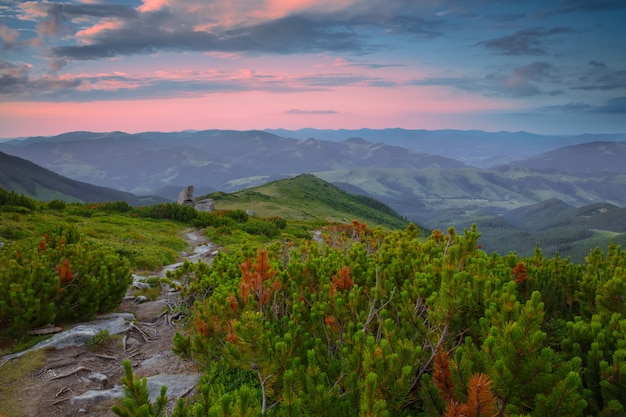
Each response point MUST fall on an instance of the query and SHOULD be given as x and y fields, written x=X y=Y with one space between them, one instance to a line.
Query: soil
x=72 y=371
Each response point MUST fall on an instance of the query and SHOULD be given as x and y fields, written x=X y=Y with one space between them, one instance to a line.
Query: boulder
x=206 y=204
x=177 y=386
x=80 y=334
x=185 y=198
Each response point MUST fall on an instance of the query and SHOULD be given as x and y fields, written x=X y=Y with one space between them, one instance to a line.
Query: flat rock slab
x=78 y=335
x=177 y=386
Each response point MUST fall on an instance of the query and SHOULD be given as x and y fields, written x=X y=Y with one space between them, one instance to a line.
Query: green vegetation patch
x=307 y=197
x=372 y=322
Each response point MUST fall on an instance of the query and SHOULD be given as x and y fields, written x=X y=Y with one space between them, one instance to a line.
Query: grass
x=308 y=198
x=147 y=243
x=12 y=375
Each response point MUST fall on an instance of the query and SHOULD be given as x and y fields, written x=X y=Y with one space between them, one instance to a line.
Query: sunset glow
x=548 y=67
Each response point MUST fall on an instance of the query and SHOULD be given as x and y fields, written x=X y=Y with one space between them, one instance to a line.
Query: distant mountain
x=540 y=216
x=592 y=157
x=27 y=178
x=421 y=194
x=472 y=147
x=146 y=162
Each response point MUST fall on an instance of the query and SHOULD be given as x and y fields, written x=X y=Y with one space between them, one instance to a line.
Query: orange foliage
x=207 y=327
x=231 y=337
x=65 y=272
x=344 y=280
x=519 y=273
x=234 y=305
x=43 y=244
x=331 y=322
x=454 y=409
x=340 y=235
x=246 y=284
x=253 y=277
x=332 y=289
x=201 y=326
x=481 y=402
x=442 y=376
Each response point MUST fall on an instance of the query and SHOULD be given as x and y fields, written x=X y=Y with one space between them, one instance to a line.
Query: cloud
x=523 y=42
x=8 y=37
x=414 y=25
x=348 y=62
x=15 y=81
x=598 y=64
x=293 y=34
x=259 y=27
x=18 y=84
x=523 y=81
x=615 y=105
x=298 y=111
x=600 y=77
x=567 y=108
x=58 y=16
x=582 y=6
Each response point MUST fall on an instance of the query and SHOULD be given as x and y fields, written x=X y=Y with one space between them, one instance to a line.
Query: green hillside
x=307 y=197
x=25 y=177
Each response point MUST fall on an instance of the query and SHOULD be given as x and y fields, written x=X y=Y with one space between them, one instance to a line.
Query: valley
x=435 y=179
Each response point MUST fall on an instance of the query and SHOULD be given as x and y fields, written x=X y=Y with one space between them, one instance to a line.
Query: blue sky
x=553 y=66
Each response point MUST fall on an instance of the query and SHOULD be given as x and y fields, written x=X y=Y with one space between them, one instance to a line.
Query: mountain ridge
x=25 y=177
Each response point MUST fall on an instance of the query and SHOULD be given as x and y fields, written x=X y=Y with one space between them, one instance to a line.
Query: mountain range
x=433 y=178
x=145 y=163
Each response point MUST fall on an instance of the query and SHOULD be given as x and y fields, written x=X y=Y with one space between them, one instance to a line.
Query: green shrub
x=118 y=207
x=261 y=227
x=171 y=211
x=11 y=198
x=98 y=340
x=56 y=205
x=14 y=209
x=238 y=215
x=206 y=219
x=58 y=278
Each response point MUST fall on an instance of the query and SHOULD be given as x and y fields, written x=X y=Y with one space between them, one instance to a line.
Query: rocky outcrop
x=186 y=198
x=205 y=204
x=79 y=335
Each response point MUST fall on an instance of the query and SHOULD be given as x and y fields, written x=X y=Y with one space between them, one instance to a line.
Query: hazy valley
x=436 y=179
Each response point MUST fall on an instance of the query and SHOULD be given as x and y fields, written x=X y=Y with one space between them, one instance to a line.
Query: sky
x=541 y=66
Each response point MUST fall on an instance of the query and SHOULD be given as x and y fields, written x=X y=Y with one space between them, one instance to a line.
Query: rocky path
x=79 y=378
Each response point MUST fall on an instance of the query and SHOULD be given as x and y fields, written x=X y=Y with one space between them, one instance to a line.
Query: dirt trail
x=52 y=390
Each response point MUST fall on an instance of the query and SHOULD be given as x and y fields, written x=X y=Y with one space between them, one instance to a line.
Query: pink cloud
x=32 y=10
x=85 y=35
x=152 y=5
x=231 y=13
x=8 y=36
